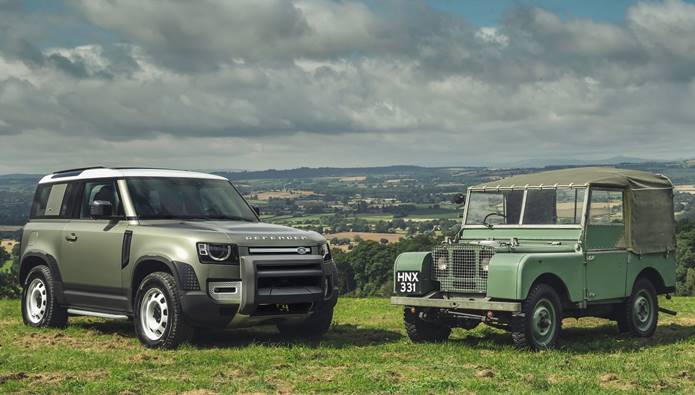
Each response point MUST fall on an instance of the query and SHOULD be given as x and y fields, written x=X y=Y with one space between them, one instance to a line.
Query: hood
x=243 y=233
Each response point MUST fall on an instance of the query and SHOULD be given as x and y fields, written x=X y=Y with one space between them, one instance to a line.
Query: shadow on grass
x=340 y=336
x=597 y=339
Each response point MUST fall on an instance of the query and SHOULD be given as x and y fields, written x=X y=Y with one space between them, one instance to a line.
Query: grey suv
x=172 y=250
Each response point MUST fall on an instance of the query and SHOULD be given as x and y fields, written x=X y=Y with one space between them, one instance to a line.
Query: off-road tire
x=317 y=325
x=177 y=331
x=54 y=315
x=643 y=295
x=421 y=331
x=541 y=323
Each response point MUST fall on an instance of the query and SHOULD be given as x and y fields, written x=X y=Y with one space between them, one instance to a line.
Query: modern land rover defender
x=536 y=248
x=172 y=250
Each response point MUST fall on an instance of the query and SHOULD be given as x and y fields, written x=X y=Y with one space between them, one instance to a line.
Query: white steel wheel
x=154 y=314
x=36 y=301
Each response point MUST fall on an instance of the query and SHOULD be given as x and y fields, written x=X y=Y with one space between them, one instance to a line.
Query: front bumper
x=266 y=282
x=459 y=303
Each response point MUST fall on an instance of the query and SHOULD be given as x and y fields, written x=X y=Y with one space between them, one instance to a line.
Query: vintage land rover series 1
x=536 y=248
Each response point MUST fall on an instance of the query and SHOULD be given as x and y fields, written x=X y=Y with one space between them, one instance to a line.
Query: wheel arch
x=34 y=259
x=556 y=283
x=147 y=265
x=654 y=277
x=31 y=260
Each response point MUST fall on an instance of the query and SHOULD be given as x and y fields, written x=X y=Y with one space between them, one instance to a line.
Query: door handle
x=71 y=237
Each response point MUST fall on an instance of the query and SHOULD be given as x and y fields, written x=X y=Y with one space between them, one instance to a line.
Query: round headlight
x=442 y=263
x=485 y=263
x=219 y=252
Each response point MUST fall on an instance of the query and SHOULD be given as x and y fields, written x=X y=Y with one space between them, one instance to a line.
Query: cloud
x=255 y=84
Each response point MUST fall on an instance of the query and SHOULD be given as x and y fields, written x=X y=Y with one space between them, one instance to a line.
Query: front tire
x=313 y=327
x=641 y=311
x=40 y=307
x=540 y=325
x=159 y=321
x=422 y=331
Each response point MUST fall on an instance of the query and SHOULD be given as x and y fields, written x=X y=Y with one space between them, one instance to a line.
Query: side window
x=48 y=200
x=104 y=190
x=606 y=207
x=38 y=207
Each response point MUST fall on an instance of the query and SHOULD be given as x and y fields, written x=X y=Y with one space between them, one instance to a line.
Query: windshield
x=187 y=198
x=561 y=206
x=494 y=208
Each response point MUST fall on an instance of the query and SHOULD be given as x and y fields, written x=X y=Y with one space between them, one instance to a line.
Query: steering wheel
x=492 y=215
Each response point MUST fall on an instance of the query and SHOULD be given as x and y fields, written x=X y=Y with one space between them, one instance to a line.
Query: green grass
x=366 y=352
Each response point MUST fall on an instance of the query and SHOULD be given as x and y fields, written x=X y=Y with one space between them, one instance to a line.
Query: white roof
x=120 y=173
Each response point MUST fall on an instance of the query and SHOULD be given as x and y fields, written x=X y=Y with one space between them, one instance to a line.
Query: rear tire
x=40 y=307
x=422 y=331
x=541 y=324
x=313 y=327
x=159 y=321
x=641 y=311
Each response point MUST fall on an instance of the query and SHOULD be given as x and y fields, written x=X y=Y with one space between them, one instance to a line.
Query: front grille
x=463 y=271
x=276 y=274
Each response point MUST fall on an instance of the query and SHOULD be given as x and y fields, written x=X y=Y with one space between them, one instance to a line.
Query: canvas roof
x=596 y=176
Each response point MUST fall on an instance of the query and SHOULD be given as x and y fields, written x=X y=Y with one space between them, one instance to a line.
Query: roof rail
x=78 y=169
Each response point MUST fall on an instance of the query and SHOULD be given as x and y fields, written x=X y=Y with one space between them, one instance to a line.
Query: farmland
x=365 y=352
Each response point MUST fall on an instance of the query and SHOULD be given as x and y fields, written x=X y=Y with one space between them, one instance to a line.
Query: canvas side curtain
x=651 y=226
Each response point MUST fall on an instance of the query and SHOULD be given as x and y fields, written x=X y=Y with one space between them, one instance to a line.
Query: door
x=91 y=253
x=606 y=248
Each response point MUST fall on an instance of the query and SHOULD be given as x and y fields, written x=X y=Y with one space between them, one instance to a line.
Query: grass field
x=365 y=352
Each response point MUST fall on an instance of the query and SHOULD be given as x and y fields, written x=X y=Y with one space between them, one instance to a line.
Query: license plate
x=408 y=282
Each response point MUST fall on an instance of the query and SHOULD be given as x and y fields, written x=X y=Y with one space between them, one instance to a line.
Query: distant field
x=9 y=228
x=391 y=237
x=685 y=188
x=282 y=194
x=366 y=351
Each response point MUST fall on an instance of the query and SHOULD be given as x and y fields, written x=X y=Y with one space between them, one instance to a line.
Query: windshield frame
x=523 y=207
x=137 y=216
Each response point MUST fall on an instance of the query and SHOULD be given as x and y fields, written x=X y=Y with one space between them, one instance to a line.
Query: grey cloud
x=395 y=82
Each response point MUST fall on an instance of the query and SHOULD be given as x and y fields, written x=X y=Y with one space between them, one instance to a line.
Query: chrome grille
x=463 y=272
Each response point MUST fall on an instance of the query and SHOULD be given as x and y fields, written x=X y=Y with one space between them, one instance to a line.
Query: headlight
x=485 y=263
x=218 y=253
x=442 y=263
x=326 y=252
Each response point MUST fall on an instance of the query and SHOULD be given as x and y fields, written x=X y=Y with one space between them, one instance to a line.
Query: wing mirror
x=101 y=209
x=459 y=199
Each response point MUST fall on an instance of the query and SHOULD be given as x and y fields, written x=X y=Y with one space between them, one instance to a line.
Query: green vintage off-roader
x=537 y=248
x=171 y=250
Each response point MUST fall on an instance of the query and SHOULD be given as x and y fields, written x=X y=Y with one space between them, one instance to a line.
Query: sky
x=258 y=84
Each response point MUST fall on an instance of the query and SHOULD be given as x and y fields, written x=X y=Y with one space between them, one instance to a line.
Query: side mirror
x=101 y=209
x=459 y=199
x=257 y=210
